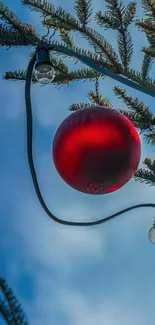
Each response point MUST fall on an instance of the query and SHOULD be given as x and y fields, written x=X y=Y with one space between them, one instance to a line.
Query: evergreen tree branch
x=146 y=66
x=142 y=117
x=95 y=39
x=95 y=58
x=149 y=51
x=150 y=138
x=125 y=46
x=76 y=107
x=95 y=100
x=83 y=11
x=9 y=37
x=149 y=7
x=5 y=313
x=60 y=19
x=67 y=38
x=104 y=48
x=18 y=76
x=16 y=312
x=118 y=17
x=131 y=74
x=129 y=14
x=25 y=30
x=61 y=78
x=146 y=25
x=59 y=14
x=76 y=75
x=150 y=164
x=145 y=176
x=137 y=77
x=106 y=20
x=99 y=100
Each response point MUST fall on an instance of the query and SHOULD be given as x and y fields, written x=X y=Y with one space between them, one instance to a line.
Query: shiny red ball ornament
x=96 y=150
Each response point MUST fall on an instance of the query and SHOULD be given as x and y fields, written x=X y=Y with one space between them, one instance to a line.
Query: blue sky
x=61 y=275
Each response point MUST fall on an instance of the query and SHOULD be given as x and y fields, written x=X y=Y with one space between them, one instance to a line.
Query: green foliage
x=10 y=309
x=83 y=11
x=26 y=31
x=67 y=38
x=140 y=114
x=149 y=7
x=9 y=37
x=145 y=176
x=119 y=18
x=146 y=66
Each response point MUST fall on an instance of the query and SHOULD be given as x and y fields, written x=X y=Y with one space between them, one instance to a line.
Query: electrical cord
x=32 y=168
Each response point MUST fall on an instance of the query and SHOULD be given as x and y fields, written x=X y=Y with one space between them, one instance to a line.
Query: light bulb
x=151 y=235
x=44 y=73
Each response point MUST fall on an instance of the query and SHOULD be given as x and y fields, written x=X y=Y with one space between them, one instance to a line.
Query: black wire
x=32 y=168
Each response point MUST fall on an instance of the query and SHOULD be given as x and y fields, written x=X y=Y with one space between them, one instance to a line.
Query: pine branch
x=150 y=164
x=100 y=44
x=61 y=78
x=5 y=313
x=104 y=48
x=131 y=74
x=125 y=46
x=142 y=116
x=60 y=19
x=90 y=55
x=59 y=65
x=146 y=66
x=83 y=11
x=149 y=7
x=13 y=305
x=95 y=100
x=129 y=14
x=67 y=38
x=146 y=25
x=25 y=30
x=137 y=77
x=119 y=18
x=99 y=100
x=150 y=138
x=149 y=51
x=76 y=107
x=18 y=76
x=58 y=15
x=106 y=20
x=41 y=6
x=9 y=37
x=116 y=9
x=76 y=75
x=145 y=176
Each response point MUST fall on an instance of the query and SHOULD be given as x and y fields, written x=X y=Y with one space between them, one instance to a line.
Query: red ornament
x=96 y=150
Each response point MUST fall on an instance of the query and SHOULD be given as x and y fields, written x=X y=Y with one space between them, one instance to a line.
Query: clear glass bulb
x=151 y=235
x=45 y=73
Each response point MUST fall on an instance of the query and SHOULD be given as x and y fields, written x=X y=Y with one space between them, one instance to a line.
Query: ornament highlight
x=96 y=150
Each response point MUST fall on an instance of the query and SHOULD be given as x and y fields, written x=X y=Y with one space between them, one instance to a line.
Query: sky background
x=69 y=276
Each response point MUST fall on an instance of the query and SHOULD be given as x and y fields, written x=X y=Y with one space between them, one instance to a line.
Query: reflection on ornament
x=96 y=150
